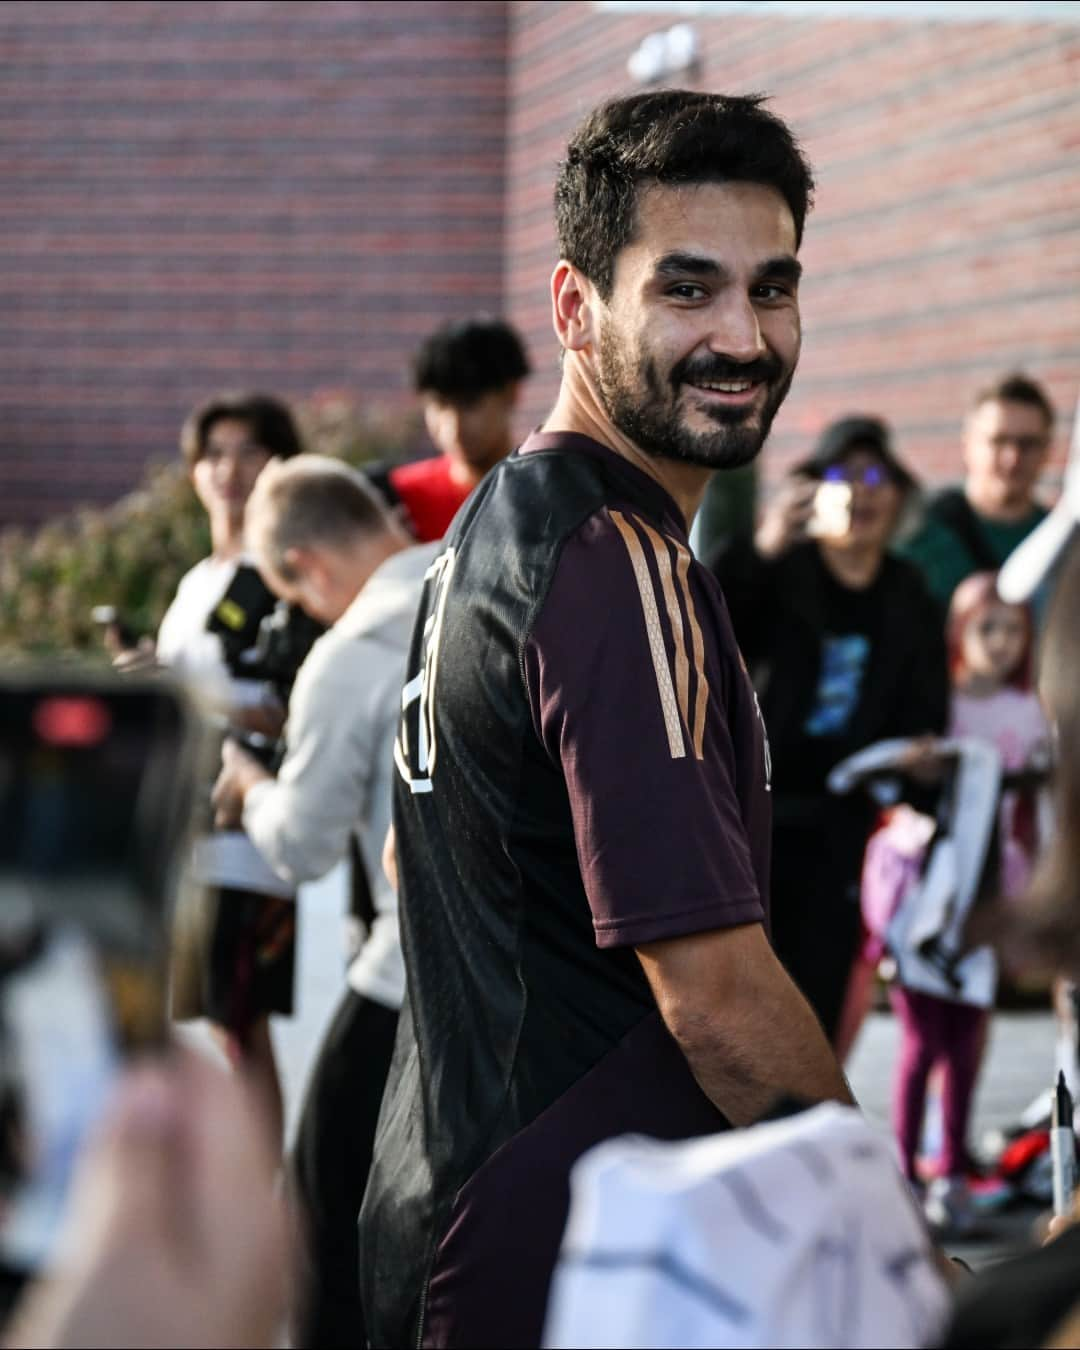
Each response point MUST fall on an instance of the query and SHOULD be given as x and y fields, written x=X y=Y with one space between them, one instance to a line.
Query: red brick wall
x=945 y=245
x=202 y=195
x=289 y=195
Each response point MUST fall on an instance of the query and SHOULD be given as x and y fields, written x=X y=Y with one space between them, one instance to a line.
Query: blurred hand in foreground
x=138 y=660
x=176 y=1235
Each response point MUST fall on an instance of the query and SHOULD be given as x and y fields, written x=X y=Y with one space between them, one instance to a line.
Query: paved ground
x=1019 y=1061
x=1019 y=1065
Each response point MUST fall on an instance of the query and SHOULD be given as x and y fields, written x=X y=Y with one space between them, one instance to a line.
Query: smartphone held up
x=97 y=782
x=830 y=516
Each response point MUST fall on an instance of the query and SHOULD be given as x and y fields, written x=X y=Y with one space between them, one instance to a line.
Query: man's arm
x=747 y=1033
x=341 y=716
x=238 y=775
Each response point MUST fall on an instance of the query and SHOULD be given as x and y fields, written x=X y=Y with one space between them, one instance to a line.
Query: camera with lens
x=262 y=638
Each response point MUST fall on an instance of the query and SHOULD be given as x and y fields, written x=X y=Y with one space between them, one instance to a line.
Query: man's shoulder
x=422 y=475
x=941 y=512
x=939 y=535
x=952 y=528
x=949 y=509
x=1012 y=529
x=384 y=608
x=371 y=638
x=626 y=583
x=545 y=495
x=515 y=525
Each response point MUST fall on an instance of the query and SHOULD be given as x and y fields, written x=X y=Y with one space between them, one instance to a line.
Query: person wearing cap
x=974 y=527
x=845 y=647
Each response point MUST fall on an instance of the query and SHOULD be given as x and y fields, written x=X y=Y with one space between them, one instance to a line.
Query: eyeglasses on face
x=870 y=475
x=1027 y=445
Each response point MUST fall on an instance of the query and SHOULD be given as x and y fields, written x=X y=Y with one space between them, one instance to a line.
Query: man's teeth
x=726 y=386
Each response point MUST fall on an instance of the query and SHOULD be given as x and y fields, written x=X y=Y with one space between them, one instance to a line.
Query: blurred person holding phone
x=845 y=647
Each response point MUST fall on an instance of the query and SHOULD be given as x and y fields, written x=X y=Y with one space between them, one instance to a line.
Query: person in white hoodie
x=322 y=540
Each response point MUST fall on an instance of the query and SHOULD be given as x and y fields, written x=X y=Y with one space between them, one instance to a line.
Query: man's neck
x=464 y=474
x=579 y=410
x=1006 y=513
x=359 y=565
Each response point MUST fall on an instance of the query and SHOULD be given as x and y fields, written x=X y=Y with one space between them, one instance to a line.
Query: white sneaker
x=948 y=1207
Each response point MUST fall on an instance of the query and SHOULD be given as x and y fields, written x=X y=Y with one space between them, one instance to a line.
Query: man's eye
x=769 y=290
x=687 y=290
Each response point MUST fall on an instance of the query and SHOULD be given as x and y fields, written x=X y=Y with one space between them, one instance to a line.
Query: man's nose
x=229 y=467
x=1008 y=455
x=736 y=332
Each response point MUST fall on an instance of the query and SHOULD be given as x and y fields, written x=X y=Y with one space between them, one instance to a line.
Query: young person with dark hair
x=974 y=527
x=468 y=375
x=236 y=956
x=582 y=805
x=268 y=422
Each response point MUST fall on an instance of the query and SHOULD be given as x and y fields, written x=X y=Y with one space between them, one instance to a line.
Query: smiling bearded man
x=735 y=399
x=582 y=806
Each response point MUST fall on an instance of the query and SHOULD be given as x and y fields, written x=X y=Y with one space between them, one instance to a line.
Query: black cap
x=846 y=434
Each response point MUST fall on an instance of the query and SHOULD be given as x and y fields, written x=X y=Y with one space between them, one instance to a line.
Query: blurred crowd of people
x=633 y=835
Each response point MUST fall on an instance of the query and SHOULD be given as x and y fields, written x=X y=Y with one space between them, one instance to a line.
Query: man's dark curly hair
x=468 y=358
x=670 y=136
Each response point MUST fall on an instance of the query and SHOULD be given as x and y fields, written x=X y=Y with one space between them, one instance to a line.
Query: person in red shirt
x=468 y=375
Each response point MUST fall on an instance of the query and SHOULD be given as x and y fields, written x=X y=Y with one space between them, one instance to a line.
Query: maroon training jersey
x=582 y=769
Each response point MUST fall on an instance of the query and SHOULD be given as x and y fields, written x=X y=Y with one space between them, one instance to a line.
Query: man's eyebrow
x=687 y=264
x=783 y=268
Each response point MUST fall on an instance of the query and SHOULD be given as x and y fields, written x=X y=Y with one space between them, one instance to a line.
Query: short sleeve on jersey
x=628 y=688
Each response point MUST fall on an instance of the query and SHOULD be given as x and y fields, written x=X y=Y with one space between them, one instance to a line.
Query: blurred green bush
x=131 y=555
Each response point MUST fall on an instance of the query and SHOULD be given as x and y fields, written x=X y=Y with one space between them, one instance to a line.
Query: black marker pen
x=1062 y=1147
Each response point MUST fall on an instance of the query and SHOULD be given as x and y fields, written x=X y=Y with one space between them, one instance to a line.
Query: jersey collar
x=573 y=442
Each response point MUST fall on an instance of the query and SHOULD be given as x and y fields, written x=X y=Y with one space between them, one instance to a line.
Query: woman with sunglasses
x=845 y=647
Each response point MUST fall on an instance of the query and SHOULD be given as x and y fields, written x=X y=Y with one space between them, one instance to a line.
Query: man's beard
x=644 y=407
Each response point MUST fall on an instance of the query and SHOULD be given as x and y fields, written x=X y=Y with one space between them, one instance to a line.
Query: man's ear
x=300 y=562
x=573 y=307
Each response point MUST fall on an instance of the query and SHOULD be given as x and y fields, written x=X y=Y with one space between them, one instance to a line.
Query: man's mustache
x=763 y=370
